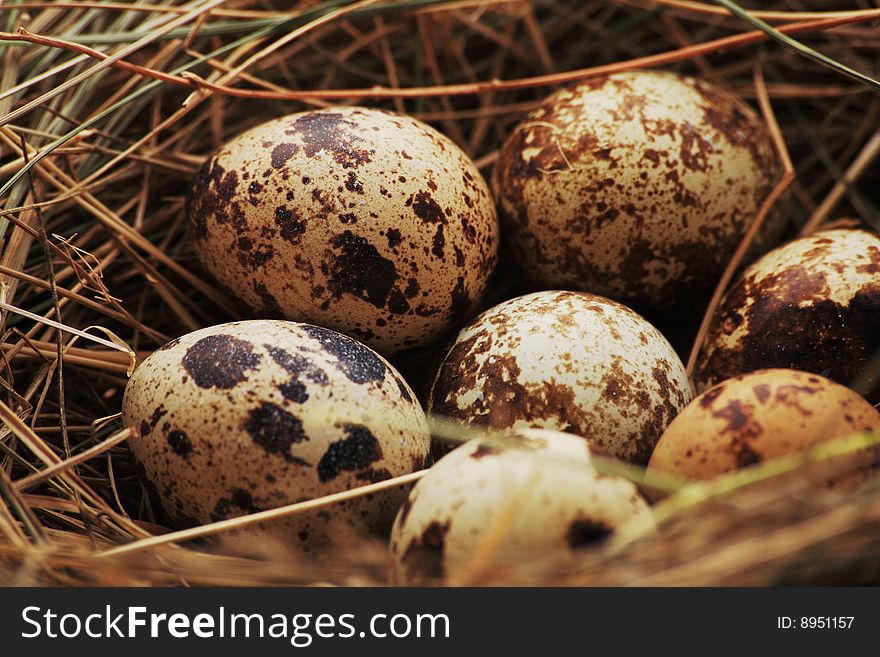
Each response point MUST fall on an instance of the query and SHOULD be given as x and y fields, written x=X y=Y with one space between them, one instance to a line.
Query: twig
x=154 y=34
x=33 y=479
x=190 y=79
x=240 y=522
x=865 y=157
x=62 y=327
x=797 y=46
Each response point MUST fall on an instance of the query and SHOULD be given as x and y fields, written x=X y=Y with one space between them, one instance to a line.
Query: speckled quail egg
x=357 y=219
x=762 y=415
x=567 y=361
x=253 y=415
x=507 y=501
x=812 y=304
x=637 y=186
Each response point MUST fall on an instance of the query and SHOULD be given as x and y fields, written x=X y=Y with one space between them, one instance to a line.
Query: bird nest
x=108 y=109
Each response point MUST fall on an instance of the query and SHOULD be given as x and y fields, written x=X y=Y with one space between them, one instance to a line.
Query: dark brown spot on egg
x=483 y=450
x=358 y=363
x=292 y=226
x=240 y=502
x=270 y=303
x=423 y=557
x=352 y=184
x=158 y=413
x=470 y=232
x=374 y=476
x=503 y=400
x=412 y=288
x=179 y=442
x=169 y=345
x=357 y=451
x=219 y=361
x=586 y=531
x=297 y=366
x=257 y=257
x=397 y=302
x=209 y=196
x=762 y=392
x=741 y=430
x=744 y=454
x=295 y=391
x=695 y=149
x=461 y=300
x=426 y=208
x=516 y=168
x=282 y=153
x=404 y=392
x=621 y=389
x=393 y=236
x=275 y=430
x=739 y=419
x=438 y=242
x=671 y=395
x=357 y=268
x=331 y=132
x=708 y=398
x=227 y=186
x=458 y=371
x=789 y=394
x=724 y=115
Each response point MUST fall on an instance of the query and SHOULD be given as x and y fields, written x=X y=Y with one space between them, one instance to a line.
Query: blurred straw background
x=108 y=108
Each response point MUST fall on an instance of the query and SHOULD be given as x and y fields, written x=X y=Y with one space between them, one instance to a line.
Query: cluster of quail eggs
x=357 y=235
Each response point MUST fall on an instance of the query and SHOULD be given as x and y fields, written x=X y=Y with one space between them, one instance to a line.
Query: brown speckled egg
x=763 y=415
x=505 y=502
x=812 y=304
x=567 y=361
x=361 y=220
x=636 y=185
x=253 y=415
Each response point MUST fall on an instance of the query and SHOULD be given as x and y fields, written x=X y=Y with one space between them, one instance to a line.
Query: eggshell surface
x=812 y=304
x=361 y=220
x=253 y=415
x=762 y=415
x=534 y=494
x=637 y=186
x=566 y=361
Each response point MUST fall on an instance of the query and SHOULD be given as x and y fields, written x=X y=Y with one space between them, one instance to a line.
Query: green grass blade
x=798 y=46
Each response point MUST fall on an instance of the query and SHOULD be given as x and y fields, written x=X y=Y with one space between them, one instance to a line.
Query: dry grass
x=106 y=110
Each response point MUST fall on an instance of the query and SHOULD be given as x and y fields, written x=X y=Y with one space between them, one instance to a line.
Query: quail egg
x=567 y=361
x=637 y=186
x=357 y=219
x=761 y=415
x=253 y=415
x=812 y=304
x=507 y=501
